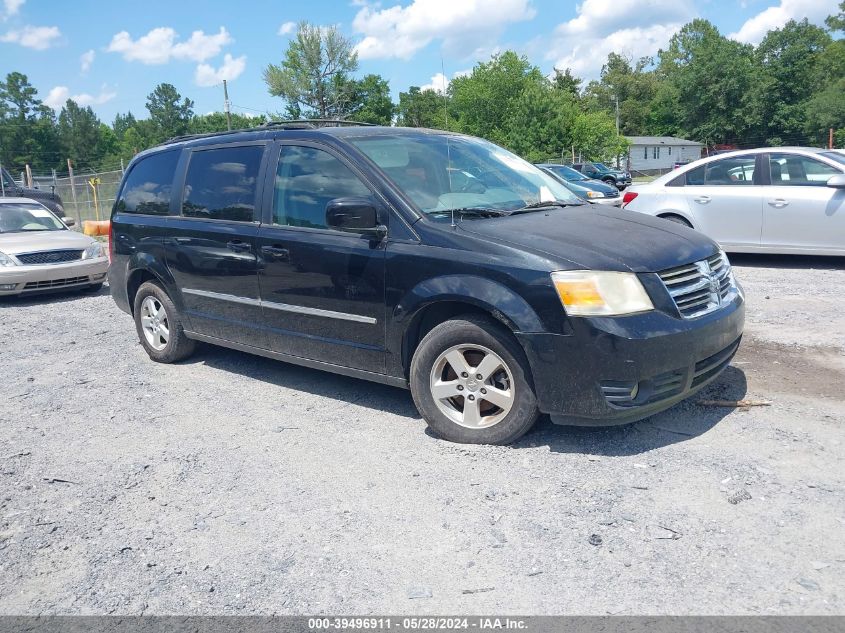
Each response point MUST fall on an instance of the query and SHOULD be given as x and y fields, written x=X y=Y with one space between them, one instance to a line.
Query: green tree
x=712 y=76
x=421 y=108
x=594 y=137
x=370 y=101
x=79 y=135
x=313 y=76
x=27 y=127
x=836 y=22
x=540 y=121
x=567 y=82
x=170 y=114
x=787 y=68
x=484 y=99
x=216 y=122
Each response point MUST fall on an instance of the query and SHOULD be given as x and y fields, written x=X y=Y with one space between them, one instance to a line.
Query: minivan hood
x=598 y=238
x=14 y=243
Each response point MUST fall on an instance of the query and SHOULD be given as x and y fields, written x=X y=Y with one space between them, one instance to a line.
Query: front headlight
x=595 y=194
x=5 y=260
x=94 y=251
x=598 y=293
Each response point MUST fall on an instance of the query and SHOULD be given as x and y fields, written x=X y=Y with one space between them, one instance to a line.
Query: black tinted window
x=221 y=183
x=147 y=187
x=306 y=181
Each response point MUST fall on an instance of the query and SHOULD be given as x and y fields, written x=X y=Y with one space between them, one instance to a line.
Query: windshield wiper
x=486 y=212
x=545 y=205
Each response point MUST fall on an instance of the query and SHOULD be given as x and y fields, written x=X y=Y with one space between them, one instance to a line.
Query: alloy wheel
x=154 y=323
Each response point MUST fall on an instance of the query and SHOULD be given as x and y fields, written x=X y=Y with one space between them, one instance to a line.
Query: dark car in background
x=599 y=171
x=422 y=259
x=11 y=189
x=585 y=188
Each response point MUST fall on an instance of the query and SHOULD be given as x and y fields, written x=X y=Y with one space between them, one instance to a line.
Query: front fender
x=491 y=296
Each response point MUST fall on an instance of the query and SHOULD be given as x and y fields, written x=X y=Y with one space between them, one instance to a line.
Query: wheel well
x=433 y=315
x=666 y=216
x=137 y=278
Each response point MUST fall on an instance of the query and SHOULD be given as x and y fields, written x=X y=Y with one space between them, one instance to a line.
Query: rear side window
x=221 y=183
x=733 y=171
x=147 y=187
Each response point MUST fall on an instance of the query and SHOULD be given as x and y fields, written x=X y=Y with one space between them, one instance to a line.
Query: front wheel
x=471 y=383
x=159 y=325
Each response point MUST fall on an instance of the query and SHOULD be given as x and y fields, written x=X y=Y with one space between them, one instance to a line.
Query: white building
x=651 y=153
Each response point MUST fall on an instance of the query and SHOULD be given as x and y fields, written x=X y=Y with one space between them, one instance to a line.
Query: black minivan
x=422 y=259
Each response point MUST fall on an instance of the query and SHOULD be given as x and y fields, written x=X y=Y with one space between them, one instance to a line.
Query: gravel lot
x=234 y=484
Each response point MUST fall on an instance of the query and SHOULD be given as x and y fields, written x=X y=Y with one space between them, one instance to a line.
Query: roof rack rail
x=313 y=123
x=296 y=124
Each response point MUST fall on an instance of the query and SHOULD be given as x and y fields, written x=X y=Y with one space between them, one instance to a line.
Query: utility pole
x=226 y=106
x=830 y=139
x=616 y=98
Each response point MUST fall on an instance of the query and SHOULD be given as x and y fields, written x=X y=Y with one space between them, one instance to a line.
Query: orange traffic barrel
x=95 y=227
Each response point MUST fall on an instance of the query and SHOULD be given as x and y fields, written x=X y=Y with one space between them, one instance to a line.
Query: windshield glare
x=22 y=218
x=839 y=158
x=567 y=173
x=441 y=172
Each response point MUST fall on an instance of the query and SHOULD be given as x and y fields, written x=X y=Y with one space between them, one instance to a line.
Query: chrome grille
x=700 y=287
x=49 y=257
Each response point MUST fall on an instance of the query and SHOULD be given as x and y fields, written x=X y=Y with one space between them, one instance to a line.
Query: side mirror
x=837 y=182
x=355 y=215
x=69 y=221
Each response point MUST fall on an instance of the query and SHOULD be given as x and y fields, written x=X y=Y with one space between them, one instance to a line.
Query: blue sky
x=110 y=55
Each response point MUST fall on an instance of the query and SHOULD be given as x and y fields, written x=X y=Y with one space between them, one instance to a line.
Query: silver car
x=38 y=252
x=768 y=200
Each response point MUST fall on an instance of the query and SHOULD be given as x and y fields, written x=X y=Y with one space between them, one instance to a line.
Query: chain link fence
x=86 y=196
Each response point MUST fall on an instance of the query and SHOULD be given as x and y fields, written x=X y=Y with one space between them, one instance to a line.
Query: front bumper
x=619 y=370
x=15 y=280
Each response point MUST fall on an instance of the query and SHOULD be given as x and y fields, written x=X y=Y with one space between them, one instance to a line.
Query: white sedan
x=768 y=200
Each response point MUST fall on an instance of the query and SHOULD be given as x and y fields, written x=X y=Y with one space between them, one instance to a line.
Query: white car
x=39 y=253
x=768 y=200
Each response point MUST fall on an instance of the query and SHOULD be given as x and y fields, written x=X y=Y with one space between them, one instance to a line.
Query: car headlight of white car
x=94 y=251
x=5 y=260
x=595 y=194
x=600 y=293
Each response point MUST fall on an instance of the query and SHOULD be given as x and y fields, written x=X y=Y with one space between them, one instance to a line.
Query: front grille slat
x=49 y=257
x=701 y=287
x=55 y=283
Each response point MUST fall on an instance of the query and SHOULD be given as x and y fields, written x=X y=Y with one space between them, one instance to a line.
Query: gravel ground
x=239 y=485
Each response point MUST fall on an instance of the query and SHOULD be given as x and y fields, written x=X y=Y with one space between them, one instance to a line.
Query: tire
x=609 y=181
x=677 y=220
x=161 y=334
x=477 y=344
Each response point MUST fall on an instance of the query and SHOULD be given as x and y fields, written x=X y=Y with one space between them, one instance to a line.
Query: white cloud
x=59 y=95
x=462 y=25
x=36 y=37
x=160 y=45
x=755 y=29
x=85 y=61
x=232 y=68
x=10 y=8
x=439 y=83
x=628 y=27
x=287 y=28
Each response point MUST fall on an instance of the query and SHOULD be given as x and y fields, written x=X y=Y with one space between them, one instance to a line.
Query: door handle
x=778 y=203
x=275 y=252
x=238 y=247
x=702 y=199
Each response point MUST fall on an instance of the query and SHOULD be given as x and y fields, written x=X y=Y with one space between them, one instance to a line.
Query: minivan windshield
x=23 y=218
x=441 y=173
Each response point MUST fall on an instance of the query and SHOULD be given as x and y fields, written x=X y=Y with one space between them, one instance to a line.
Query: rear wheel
x=471 y=382
x=159 y=325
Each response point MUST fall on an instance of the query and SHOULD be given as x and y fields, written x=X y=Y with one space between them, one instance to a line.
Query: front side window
x=26 y=217
x=307 y=179
x=148 y=185
x=221 y=183
x=441 y=172
x=736 y=170
x=799 y=171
